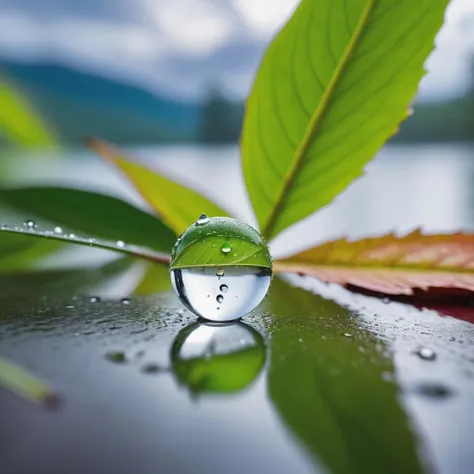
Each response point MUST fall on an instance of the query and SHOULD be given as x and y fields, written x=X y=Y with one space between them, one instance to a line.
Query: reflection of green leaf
x=330 y=389
x=92 y=214
x=227 y=372
x=332 y=88
x=60 y=282
x=18 y=252
x=155 y=280
x=178 y=205
x=18 y=122
x=201 y=246
x=21 y=382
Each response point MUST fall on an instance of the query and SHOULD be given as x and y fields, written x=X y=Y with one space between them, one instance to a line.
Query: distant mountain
x=79 y=105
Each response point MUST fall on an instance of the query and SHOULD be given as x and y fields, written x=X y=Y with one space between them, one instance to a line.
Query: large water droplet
x=224 y=288
x=226 y=248
x=220 y=272
x=203 y=219
x=194 y=284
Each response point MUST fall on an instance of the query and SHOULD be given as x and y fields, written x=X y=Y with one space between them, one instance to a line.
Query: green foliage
x=333 y=86
x=177 y=205
x=91 y=214
x=315 y=115
x=203 y=245
x=18 y=123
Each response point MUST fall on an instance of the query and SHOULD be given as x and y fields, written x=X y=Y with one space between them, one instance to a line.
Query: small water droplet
x=125 y=301
x=72 y=236
x=91 y=241
x=346 y=334
x=30 y=224
x=220 y=272
x=58 y=230
x=224 y=288
x=386 y=300
x=94 y=299
x=220 y=298
x=426 y=353
x=434 y=390
x=120 y=244
x=226 y=248
x=152 y=368
x=452 y=339
x=203 y=219
x=69 y=306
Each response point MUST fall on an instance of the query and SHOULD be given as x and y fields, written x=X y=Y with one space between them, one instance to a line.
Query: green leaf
x=220 y=242
x=18 y=380
x=84 y=241
x=19 y=123
x=332 y=88
x=328 y=381
x=177 y=205
x=92 y=214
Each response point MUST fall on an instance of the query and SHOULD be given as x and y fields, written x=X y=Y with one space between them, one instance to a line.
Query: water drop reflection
x=217 y=358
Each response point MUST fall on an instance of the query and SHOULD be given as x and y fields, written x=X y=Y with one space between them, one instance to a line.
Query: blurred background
x=167 y=80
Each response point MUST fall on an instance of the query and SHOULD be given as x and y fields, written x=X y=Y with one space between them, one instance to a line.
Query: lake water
x=405 y=187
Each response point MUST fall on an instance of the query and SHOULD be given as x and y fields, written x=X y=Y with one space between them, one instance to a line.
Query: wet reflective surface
x=316 y=380
x=307 y=383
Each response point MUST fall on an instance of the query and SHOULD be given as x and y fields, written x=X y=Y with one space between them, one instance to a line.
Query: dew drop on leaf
x=226 y=248
x=203 y=219
x=120 y=244
x=30 y=224
x=58 y=230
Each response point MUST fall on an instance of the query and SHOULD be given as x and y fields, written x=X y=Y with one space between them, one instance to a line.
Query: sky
x=181 y=47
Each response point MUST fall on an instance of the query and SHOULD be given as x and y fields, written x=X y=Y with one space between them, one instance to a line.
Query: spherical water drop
x=226 y=248
x=125 y=301
x=72 y=236
x=30 y=224
x=203 y=219
x=120 y=244
x=201 y=276
x=426 y=353
x=58 y=230
x=94 y=299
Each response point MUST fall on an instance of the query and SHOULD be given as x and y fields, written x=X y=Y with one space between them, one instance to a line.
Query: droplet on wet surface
x=125 y=301
x=58 y=230
x=72 y=236
x=202 y=220
x=426 y=353
x=434 y=390
x=194 y=285
x=226 y=248
x=120 y=244
x=223 y=288
x=118 y=357
x=220 y=272
x=94 y=299
x=152 y=368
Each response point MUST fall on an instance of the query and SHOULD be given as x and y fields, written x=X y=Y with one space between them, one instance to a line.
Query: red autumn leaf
x=391 y=265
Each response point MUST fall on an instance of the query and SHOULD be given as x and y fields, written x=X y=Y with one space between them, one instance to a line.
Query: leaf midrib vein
x=316 y=120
